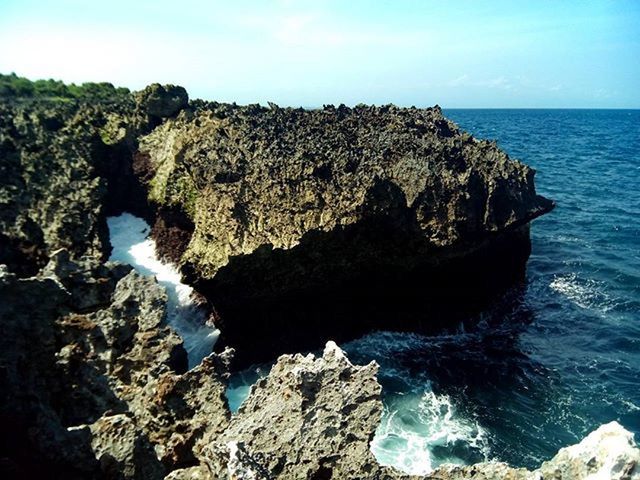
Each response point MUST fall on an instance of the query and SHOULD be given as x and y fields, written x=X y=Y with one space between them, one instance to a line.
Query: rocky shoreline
x=94 y=385
x=296 y=227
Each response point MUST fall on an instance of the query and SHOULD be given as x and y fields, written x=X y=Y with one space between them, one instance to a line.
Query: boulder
x=123 y=450
x=162 y=101
x=310 y=418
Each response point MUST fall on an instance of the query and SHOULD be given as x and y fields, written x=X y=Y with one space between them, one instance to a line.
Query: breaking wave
x=419 y=433
x=129 y=236
x=420 y=427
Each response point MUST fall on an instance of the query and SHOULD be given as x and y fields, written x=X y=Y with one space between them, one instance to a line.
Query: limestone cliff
x=65 y=165
x=94 y=382
x=253 y=178
x=340 y=219
x=299 y=226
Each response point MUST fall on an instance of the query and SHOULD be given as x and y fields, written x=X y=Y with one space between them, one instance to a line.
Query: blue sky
x=454 y=53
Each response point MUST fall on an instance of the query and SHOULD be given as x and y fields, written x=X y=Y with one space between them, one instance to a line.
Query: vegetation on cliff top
x=13 y=86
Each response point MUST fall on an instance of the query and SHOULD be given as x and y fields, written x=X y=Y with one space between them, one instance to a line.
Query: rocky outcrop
x=334 y=218
x=299 y=225
x=64 y=165
x=314 y=418
x=609 y=453
x=255 y=178
x=93 y=380
x=310 y=418
x=50 y=192
x=342 y=220
x=31 y=433
x=162 y=101
x=97 y=389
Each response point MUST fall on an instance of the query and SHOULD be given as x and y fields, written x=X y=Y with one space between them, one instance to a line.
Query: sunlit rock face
x=309 y=418
x=337 y=219
x=314 y=417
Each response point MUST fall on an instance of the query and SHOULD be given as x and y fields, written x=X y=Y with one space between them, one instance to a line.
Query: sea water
x=131 y=244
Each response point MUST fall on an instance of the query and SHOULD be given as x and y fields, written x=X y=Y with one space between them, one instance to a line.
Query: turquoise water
x=554 y=358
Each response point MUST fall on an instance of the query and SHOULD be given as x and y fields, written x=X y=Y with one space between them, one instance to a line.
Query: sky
x=455 y=53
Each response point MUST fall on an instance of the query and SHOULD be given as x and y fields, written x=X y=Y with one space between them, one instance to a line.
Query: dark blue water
x=556 y=357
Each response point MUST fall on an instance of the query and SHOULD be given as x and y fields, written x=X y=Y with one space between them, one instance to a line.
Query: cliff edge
x=340 y=219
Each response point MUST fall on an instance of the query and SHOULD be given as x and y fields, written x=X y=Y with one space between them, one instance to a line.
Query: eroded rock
x=309 y=418
x=314 y=418
x=50 y=193
x=334 y=218
x=608 y=452
x=123 y=450
x=96 y=394
x=162 y=101
x=65 y=165
x=94 y=380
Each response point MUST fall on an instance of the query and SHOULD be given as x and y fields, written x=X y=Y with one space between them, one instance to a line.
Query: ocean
x=552 y=359
x=556 y=357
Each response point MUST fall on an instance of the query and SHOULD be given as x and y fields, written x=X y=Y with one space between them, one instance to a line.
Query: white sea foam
x=131 y=244
x=415 y=426
x=586 y=294
x=420 y=429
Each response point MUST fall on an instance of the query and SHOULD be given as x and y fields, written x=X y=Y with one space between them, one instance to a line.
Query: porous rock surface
x=102 y=393
x=50 y=192
x=310 y=418
x=94 y=382
x=65 y=165
x=270 y=212
x=314 y=418
x=254 y=178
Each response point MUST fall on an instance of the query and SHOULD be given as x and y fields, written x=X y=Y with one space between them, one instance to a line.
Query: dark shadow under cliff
x=354 y=280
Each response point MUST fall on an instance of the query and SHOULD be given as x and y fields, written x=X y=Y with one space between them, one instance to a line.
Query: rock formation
x=94 y=382
x=51 y=195
x=65 y=165
x=298 y=226
x=360 y=215
x=93 y=386
x=320 y=426
x=313 y=418
x=338 y=219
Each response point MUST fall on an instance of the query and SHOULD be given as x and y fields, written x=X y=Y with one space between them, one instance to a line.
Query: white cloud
x=459 y=81
x=465 y=80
